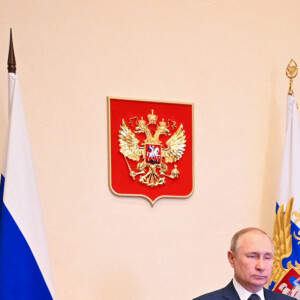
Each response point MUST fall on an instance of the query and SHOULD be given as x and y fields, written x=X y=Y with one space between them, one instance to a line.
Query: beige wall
x=228 y=57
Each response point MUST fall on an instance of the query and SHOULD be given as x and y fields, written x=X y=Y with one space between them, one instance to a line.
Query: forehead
x=254 y=241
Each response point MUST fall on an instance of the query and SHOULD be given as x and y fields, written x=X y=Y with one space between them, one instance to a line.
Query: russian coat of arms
x=150 y=148
x=152 y=168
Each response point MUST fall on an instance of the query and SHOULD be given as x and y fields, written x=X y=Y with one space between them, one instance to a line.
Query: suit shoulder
x=211 y=296
x=284 y=297
x=279 y=296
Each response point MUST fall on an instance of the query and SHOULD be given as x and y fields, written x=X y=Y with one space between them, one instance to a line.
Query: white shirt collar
x=245 y=294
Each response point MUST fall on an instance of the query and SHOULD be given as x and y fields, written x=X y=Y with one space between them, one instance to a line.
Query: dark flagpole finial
x=11 y=62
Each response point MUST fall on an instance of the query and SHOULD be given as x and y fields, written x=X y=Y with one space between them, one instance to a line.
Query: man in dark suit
x=251 y=256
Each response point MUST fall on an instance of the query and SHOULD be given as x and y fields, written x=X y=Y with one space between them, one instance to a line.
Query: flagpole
x=291 y=73
x=11 y=61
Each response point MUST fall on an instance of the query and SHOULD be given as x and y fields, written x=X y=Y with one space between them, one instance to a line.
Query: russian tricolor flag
x=25 y=271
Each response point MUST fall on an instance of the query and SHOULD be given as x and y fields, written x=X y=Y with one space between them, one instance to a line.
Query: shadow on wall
x=274 y=151
x=3 y=119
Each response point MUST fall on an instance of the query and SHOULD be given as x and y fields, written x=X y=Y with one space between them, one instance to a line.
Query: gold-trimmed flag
x=286 y=269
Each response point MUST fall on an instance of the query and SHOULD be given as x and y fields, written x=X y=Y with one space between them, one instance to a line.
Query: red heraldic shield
x=150 y=148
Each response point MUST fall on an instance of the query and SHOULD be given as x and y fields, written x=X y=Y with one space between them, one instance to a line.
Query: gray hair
x=236 y=237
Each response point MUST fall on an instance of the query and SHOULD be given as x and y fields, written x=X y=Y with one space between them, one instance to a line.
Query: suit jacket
x=230 y=293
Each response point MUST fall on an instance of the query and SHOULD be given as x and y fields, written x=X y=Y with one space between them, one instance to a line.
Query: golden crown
x=163 y=124
x=142 y=122
x=152 y=118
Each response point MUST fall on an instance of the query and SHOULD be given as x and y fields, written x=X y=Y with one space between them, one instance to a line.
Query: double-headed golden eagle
x=131 y=148
x=282 y=240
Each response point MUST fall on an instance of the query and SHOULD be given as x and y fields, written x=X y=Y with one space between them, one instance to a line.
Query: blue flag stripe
x=20 y=276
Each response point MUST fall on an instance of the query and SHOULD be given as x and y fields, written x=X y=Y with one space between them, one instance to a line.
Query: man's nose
x=260 y=265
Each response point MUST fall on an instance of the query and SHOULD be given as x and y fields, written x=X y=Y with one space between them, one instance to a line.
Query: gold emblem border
x=109 y=149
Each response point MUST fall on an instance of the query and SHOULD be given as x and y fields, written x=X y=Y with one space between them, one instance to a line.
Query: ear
x=230 y=256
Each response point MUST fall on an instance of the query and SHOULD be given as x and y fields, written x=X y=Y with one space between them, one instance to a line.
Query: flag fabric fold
x=286 y=270
x=25 y=271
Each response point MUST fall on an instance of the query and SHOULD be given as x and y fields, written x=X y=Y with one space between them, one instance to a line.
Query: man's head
x=251 y=256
